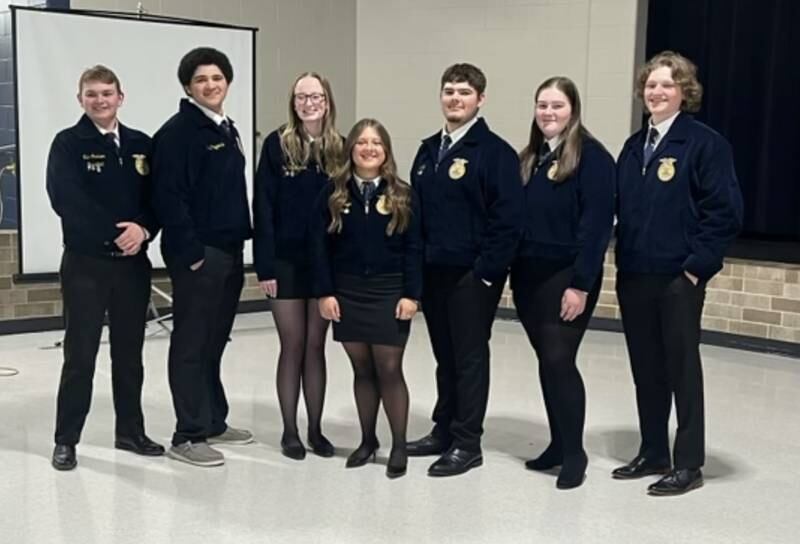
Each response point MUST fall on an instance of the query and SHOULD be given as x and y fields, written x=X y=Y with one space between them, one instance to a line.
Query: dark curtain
x=748 y=58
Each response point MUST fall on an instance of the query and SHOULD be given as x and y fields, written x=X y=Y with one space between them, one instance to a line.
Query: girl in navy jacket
x=369 y=279
x=556 y=278
x=296 y=163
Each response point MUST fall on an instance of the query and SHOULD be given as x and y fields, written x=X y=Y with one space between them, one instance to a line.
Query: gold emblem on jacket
x=381 y=206
x=666 y=170
x=552 y=172
x=141 y=164
x=458 y=168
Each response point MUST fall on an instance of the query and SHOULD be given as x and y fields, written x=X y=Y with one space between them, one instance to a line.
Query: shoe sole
x=469 y=466
x=179 y=457
x=395 y=475
x=656 y=493
x=218 y=442
x=124 y=447
x=64 y=468
x=640 y=475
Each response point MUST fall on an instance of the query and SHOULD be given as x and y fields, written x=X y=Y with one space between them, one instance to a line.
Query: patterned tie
x=544 y=155
x=650 y=148
x=446 y=141
x=367 y=190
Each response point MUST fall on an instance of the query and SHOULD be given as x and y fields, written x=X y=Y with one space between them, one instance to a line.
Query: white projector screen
x=52 y=48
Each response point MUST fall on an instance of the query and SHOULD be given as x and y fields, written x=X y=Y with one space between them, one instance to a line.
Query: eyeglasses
x=315 y=98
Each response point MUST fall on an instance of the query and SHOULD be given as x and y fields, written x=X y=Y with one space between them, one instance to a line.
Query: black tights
x=302 y=360
x=378 y=375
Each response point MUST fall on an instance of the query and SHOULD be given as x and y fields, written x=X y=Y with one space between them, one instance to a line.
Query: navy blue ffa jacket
x=681 y=211
x=93 y=185
x=471 y=203
x=363 y=248
x=283 y=204
x=199 y=187
x=571 y=221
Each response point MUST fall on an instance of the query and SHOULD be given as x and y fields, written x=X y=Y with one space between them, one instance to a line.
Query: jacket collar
x=474 y=136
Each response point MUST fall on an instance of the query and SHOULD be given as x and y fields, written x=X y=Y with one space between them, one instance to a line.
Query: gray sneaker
x=233 y=437
x=198 y=454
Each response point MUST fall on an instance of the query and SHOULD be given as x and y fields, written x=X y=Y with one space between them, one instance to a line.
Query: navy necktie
x=650 y=148
x=446 y=141
x=225 y=125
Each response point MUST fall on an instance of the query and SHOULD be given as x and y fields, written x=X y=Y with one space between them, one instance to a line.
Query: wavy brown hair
x=684 y=73
x=398 y=192
x=569 y=152
x=294 y=141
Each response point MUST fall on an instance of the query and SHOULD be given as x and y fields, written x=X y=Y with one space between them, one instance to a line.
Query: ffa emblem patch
x=458 y=168
x=381 y=206
x=552 y=172
x=141 y=164
x=666 y=170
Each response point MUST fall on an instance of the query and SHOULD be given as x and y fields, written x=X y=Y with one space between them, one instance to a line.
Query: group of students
x=339 y=237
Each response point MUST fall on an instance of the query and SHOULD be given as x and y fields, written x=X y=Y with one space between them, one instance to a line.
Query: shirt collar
x=214 y=116
x=114 y=131
x=459 y=133
x=554 y=142
x=361 y=181
x=662 y=127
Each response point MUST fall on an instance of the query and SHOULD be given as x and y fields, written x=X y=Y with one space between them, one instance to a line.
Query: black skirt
x=367 y=307
x=294 y=279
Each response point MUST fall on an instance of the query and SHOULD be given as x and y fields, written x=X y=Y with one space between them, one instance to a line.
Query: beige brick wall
x=26 y=300
x=756 y=299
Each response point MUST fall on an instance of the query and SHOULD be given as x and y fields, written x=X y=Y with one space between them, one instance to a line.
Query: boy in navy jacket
x=98 y=183
x=471 y=198
x=200 y=196
x=679 y=207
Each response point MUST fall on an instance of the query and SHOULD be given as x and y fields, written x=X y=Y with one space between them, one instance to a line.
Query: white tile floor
x=751 y=493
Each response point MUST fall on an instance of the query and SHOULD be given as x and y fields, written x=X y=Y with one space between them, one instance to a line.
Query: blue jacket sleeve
x=503 y=200
x=718 y=202
x=596 y=195
x=173 y=182
x=265 y=193
x=412 y=258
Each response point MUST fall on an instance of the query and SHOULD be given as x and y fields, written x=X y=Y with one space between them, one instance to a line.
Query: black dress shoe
x=293 y=448
x=139 y=444
x=573 y=471
x=455 y=461
x=321 y=446
x=551 y=457
x=362 y=455
x=639 y=467
x=398 y=462
x=64 y=457
x=677 y=482
x=430 y=444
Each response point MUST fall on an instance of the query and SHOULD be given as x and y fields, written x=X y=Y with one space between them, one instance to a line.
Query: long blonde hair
x=326 y=150
x=398 y=192
x=570 y=154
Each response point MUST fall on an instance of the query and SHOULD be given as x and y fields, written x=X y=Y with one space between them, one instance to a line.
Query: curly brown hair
x=398 y=192
x=684 y=72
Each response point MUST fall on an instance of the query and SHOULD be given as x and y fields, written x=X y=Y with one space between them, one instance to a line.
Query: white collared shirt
x=554 y=142
x=459 y=133
x=662 y=128
x=211 y=114
x=114 y=131
x=361 y=181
